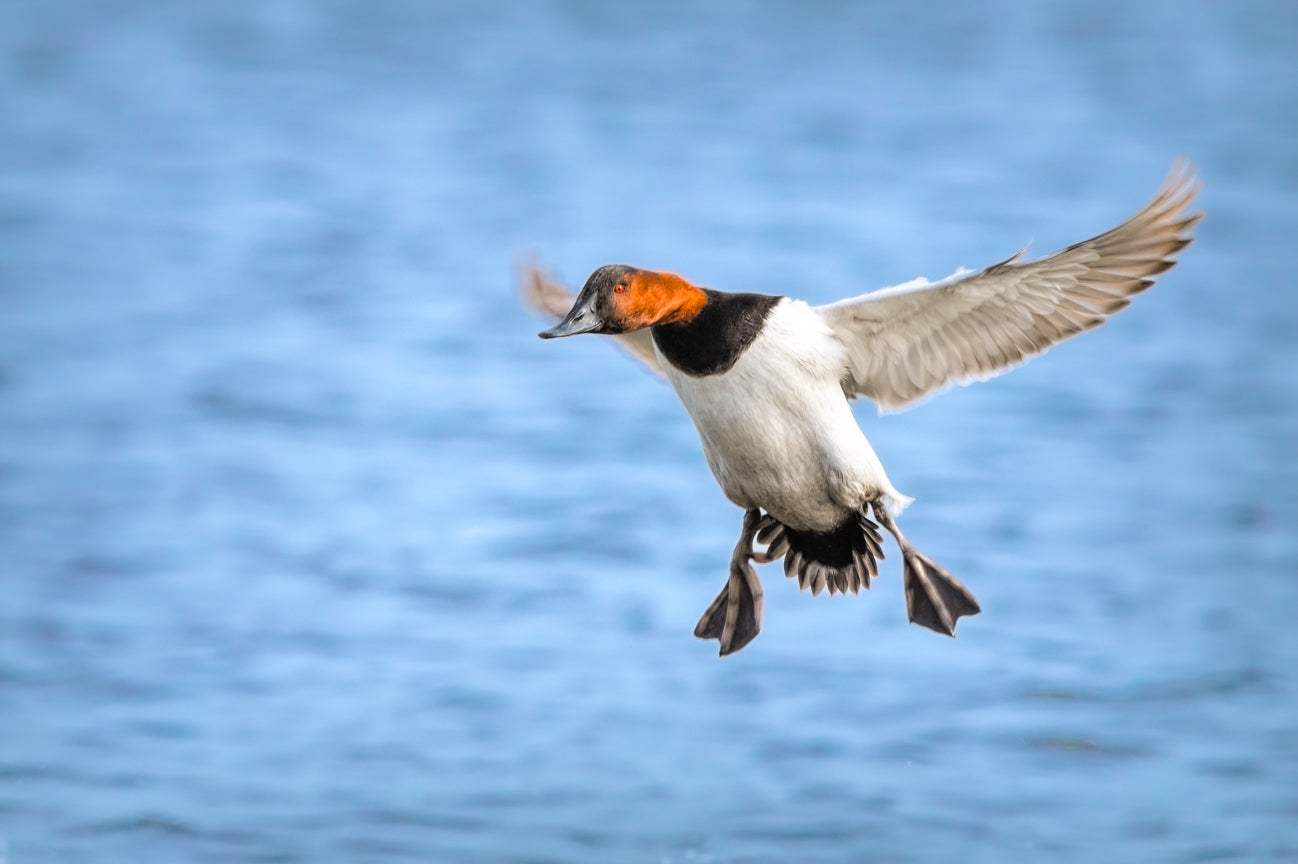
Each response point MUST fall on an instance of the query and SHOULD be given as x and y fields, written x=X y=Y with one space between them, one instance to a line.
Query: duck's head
x=619 y=299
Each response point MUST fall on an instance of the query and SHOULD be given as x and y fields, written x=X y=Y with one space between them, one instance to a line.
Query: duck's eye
x=619 y=287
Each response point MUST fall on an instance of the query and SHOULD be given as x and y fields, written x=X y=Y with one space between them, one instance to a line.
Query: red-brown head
x=620 y=299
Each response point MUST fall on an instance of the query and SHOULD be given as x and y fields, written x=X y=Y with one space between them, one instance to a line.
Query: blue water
x=313 y=552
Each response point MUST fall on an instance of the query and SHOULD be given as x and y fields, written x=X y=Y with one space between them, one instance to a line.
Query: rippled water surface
x=313 y=552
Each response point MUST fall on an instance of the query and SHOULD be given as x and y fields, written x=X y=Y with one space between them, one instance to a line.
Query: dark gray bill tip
x=577 y=321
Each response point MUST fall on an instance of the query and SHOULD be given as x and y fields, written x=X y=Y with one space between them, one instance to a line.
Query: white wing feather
x=910 y=340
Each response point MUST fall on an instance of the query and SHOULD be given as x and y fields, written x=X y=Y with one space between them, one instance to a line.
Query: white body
x=777 y=429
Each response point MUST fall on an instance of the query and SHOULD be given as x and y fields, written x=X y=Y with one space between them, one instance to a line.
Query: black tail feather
x=843 y=559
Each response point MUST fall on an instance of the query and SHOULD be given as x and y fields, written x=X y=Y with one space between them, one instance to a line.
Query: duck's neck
x=712 y=339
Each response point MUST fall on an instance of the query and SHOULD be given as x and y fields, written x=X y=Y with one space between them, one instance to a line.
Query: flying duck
x=768 y=381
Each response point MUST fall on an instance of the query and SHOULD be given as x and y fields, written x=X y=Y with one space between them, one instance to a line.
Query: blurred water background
x=311 y=551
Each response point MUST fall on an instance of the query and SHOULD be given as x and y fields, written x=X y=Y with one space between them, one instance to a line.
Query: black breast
x=711 y=341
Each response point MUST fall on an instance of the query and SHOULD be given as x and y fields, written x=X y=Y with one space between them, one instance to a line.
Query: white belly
x=777 y=431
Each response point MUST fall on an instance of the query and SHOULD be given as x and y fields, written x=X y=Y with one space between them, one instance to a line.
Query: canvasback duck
x=767 y=381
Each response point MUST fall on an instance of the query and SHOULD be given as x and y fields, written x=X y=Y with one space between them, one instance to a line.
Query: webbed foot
x=735 y=617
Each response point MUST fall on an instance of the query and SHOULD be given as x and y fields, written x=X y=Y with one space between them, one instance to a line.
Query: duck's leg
x=735 y=617
x=934 y=598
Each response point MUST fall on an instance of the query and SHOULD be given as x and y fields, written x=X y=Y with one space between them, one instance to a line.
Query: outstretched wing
x=905 y=342
x=552 y=299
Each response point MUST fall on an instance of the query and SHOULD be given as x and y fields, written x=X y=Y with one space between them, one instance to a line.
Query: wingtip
x=1182 y=184
x=1180 y=190
x=538 y=292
